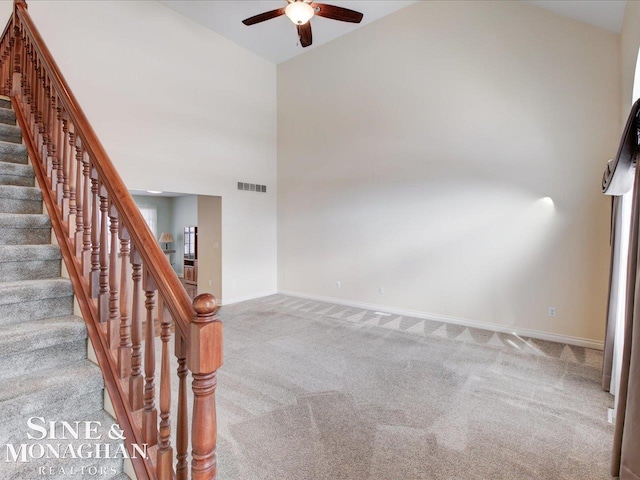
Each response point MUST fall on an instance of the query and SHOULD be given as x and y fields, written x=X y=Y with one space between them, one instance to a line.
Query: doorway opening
x=195 y=257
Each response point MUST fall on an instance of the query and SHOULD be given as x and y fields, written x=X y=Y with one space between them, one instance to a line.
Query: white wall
x=629 y=45
x=178 y=108
x=414 y=154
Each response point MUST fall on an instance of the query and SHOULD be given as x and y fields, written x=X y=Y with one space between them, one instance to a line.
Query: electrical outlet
x=233 y=283
x=552 y=312
x=209 y=282
x=338 y=284
x=381 y=290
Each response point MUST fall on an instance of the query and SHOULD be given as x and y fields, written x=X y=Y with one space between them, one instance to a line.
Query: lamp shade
x=166 y=237
x=299 y=12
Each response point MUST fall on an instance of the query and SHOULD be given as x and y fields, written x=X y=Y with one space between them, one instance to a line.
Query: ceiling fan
x=300 y=12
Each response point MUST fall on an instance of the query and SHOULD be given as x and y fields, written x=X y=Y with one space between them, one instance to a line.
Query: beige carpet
x=314 y=391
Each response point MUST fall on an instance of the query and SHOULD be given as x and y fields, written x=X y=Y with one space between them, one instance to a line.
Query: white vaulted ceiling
x=277 y=40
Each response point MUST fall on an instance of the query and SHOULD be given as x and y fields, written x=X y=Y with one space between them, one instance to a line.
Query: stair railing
x=118 y=271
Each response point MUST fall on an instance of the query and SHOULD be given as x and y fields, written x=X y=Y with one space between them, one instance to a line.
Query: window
x=150 y=215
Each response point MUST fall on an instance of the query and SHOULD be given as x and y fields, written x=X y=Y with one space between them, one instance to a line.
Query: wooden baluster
x=136 y=380
x=52 y=147
x=66 y=164
x=31 y=89
x=73 y=176
x=11 y=63
x=42 y=101
x=35 y=90
x=94 y=279
x=103 y=294
x=52 y=137
x=204 y=357
x=150 y=414
x=182 y=428
x=165 y=452
x=62 y=168
x=34 y=95
x=26 y=71
x=86 y=215
x=44 y=134
x=77 y=237
x=4 y=73
x=72 y=165
x=124 y=349
x=113 y=329
x=40 y=118
x=19 y=71
x=18 y=53
x=14 y=64
x=56 y=147
x=5 y=68
x=9 y=67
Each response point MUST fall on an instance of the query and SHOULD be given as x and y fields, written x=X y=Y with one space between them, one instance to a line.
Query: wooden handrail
x=116 y=265
x=167 y=282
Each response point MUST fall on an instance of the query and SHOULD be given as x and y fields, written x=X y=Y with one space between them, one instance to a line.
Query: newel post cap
x=204 y=345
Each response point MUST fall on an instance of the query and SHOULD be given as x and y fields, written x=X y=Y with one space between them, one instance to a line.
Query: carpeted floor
x=315 y=391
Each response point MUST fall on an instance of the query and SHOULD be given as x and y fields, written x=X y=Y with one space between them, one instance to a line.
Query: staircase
x=44 y=371
x=123 y=286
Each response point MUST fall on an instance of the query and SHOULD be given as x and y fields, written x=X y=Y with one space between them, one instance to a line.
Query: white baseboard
x=230 y=301
x=494 y=327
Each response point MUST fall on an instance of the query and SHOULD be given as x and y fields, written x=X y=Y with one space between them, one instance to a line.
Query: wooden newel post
x=204 y=357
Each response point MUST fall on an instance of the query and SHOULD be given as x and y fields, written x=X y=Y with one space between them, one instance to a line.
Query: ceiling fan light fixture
x=299 y=12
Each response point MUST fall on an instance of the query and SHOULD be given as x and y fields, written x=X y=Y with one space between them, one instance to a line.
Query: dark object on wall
x=618 y=179
x=618 y=174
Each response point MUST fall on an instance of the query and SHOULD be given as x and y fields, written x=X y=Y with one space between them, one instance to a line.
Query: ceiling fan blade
x=304 y=32
x=337 y=13
x=263 y=16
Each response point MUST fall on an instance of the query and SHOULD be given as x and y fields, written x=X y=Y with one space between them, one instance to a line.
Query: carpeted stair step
x=29 y=262
x=28 y=347
x=10 y=133
x=5 y=102
x=120 y=476
x=13 y=152
x=24 y=229
x=15 y=199
x=16 y=174
x=34 y=300
x=7 y=116
x=73 y=390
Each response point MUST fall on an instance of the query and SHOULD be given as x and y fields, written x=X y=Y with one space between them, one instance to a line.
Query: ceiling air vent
x=252 y=187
